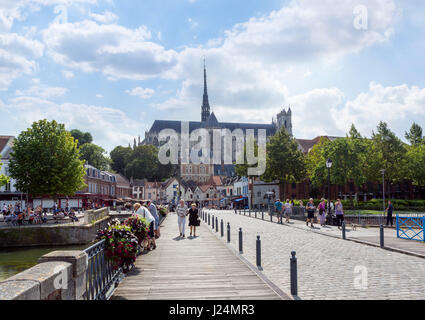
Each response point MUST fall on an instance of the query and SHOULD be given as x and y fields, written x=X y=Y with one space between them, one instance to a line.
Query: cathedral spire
x=205 y=103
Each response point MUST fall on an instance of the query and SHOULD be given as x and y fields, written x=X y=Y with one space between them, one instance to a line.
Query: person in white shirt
x=143 y=212
x=182 y=212
x=288 y=210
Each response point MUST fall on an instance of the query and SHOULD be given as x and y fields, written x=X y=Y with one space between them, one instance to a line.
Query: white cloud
x=17 y=57
x=144 y=93
x=68 y=74
x=99 y=96
x=42 y=91
x=105 y=124
x=400 y=106
x=250 y=68
x=116 y=51
x=105 y=17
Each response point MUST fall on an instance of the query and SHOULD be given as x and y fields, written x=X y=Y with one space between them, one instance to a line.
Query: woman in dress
x=193 y=219
x=322 y=212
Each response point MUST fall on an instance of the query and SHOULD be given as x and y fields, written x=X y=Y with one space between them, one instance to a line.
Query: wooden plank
x=192 y=268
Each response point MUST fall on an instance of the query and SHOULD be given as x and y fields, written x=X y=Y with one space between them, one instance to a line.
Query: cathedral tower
x=284 y=119
x=205 y=103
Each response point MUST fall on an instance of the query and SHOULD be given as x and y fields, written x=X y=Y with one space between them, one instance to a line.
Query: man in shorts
x=278 y=206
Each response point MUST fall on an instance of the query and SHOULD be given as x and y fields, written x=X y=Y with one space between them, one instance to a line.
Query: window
x=259 y=194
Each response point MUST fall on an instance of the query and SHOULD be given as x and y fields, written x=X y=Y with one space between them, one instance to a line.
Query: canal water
x=15 y=260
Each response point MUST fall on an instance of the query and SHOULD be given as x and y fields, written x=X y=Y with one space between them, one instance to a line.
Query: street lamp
x=383 y=187
x=329 y=166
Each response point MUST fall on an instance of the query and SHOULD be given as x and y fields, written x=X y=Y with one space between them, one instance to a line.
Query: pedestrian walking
x=193 y=219
x=278 y=207
x=181 y=211
x=310 y=212
x=339 y=212
x=389 y=212
x=322 y=212
x=288 y=210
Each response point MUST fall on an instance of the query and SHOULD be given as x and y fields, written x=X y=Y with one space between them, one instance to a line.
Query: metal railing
x=411 y=228
x=101 y=275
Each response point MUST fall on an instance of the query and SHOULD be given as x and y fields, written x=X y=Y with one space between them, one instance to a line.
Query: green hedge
x=376 y=204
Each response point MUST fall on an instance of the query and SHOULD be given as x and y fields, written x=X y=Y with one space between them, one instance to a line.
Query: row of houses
x=217 y=191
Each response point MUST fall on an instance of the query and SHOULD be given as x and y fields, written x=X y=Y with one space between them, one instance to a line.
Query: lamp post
x=383 y=188
x=329 y=166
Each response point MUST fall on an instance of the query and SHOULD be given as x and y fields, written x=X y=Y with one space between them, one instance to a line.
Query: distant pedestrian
x=278 y=207
x=288 y=210
x=339 y=212
x=310 y=212
x=181 y=211
x=389 y=211
x=322 y=212
x=193 y=219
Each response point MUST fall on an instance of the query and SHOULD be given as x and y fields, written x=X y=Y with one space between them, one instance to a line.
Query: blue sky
x=112 y=67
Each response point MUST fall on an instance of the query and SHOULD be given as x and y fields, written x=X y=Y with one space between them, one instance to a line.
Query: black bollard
x=228 y=232
x=255 y=213
x=216 y=224
x=262 y=214
x=271 y=216
x=258 y=252
x=343 y=230
x=222 y=228
x=381 y=235
x=294 y=281
x=240 y=241
x=244 y=211
x=209 y=219
x=213 y=222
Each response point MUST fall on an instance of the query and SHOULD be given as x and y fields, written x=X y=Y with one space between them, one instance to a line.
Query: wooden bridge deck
x=193 y=268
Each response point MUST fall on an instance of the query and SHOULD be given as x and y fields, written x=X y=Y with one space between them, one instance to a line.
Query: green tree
x=95 y=156
x=119 y=158
x=46 y=161
x=315 y=163
x=143 y=163
x=285 y=162
x=414 y=136
x=390 y=153
x=415 y=164
x=3 y=178
x=81 y=137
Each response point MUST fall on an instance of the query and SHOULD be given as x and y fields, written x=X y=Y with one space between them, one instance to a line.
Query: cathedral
x=202 y=173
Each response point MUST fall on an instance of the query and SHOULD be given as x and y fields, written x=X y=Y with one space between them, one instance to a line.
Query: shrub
x=121 y=244
x=139 y=227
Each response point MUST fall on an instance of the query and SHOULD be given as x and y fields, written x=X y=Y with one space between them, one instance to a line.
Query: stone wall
x=95 y=215
x=59 y=275
x=55 y=235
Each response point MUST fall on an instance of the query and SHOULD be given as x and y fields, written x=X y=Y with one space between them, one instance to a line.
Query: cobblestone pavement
x=328 y=268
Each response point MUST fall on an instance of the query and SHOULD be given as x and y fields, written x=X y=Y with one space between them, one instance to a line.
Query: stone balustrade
x=59 y=275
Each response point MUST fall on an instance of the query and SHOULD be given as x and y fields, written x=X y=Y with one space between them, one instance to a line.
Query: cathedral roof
x=159 y=125
x=212 y=121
